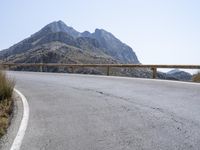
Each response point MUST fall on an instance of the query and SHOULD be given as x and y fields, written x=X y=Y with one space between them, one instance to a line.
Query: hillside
x=59 y=43
x=100 y=43
x=180 y=75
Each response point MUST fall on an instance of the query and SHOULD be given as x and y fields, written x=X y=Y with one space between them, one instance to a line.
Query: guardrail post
x=8 y=67
x=154 y=69
x=41 y=68
x=72 y=69
x=108 y=71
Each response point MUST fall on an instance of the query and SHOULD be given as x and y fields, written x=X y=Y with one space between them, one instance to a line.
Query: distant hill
x=180 y=75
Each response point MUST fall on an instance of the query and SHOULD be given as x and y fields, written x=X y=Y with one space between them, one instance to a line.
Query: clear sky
x=159 y=31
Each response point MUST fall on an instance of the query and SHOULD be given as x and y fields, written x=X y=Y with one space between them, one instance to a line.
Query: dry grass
x=6 y=102
x=196 y=77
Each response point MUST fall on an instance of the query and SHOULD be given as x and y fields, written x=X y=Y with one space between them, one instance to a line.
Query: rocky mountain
x=100 y=42
x=59 y=43
x=173 y=71
x=180 y=75
x=113 y=46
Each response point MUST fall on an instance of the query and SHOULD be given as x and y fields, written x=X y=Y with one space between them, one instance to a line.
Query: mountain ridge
x=59 y=43
x=105 y=41
x=180 y=75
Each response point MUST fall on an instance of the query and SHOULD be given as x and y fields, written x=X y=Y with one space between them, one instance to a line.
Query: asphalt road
x=83 y=112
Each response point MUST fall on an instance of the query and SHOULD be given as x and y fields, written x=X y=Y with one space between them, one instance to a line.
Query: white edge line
x=22 y=129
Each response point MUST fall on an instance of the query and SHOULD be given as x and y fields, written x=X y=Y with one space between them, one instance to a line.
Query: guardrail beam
x=107 y=66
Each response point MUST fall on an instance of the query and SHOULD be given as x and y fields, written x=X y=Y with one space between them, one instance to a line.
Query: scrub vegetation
x=196 y=77
x=6 y=102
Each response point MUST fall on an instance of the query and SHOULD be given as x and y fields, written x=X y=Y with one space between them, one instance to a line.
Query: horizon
x=159 y=32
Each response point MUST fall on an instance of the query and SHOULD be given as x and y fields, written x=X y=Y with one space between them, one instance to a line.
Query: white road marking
x=22 y=129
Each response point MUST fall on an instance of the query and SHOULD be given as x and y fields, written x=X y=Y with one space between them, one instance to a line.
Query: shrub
x=6 y=86
x=196 y=77
x=6 y=102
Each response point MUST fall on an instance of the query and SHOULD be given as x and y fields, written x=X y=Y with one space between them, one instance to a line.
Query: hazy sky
x=159 y=31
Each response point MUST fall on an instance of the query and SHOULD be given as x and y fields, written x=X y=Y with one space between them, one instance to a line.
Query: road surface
x=84 y=112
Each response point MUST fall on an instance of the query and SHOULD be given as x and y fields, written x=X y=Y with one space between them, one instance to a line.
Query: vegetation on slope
x=196 y=77
x=6 y=102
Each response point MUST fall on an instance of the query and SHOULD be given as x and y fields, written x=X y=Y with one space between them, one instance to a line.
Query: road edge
x=23 y=125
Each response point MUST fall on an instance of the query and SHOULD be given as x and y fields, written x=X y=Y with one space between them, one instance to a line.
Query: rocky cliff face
x=113 y=46
x=100 y=41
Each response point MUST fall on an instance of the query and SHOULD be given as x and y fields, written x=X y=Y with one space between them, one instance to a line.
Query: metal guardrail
x=153 y=67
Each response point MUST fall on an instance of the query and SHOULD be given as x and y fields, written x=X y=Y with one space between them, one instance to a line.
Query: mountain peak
x=60 y=26
x=60 y=21
x=86 y=34
x=115 y=47
x=102 y=32
x=56 y=26
x=173 y=71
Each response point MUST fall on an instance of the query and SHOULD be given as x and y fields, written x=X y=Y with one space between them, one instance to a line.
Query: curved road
x=82 y=112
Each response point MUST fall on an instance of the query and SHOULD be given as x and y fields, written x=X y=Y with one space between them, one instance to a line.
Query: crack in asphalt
x=45 y=147
x=180 y=126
